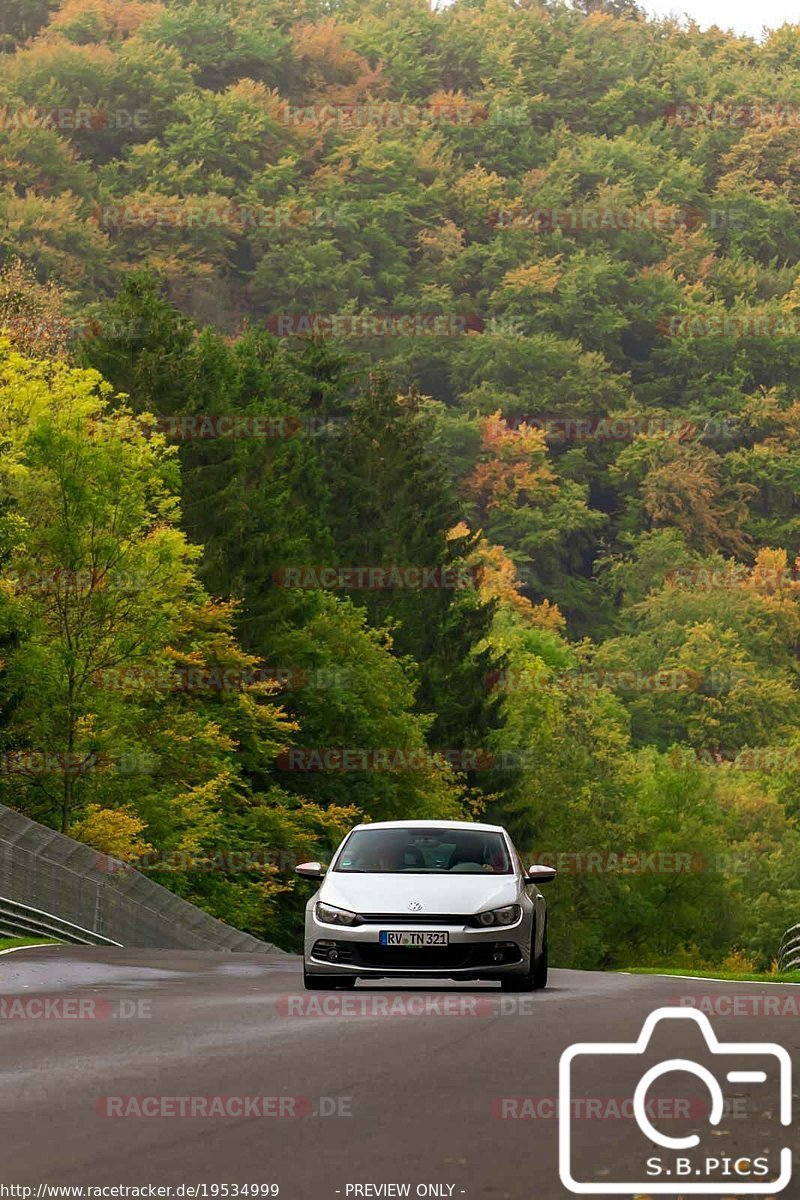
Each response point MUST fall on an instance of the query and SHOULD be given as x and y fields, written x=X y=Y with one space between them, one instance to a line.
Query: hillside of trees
x=400 y=417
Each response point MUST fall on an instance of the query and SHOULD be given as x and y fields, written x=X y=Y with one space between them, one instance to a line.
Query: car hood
x=436 y=893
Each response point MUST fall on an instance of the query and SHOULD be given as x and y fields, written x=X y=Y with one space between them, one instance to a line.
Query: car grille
x=414 y=957
x=421 y=958
x=413 y=918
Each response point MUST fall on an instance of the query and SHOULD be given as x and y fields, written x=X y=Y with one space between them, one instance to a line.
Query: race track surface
x=136 y=1067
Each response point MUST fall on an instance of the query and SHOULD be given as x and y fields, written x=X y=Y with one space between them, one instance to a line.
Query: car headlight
x=499 y=916
x=334 y=916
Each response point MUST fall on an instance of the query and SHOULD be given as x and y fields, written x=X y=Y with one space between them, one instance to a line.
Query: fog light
x=333 y=955
x=498 y=956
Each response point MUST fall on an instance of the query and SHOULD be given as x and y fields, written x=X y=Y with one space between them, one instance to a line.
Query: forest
x=399 y=418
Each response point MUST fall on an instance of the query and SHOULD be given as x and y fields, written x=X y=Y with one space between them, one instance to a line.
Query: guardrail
x=20 y=920
x=48 y=873
x=789 y=954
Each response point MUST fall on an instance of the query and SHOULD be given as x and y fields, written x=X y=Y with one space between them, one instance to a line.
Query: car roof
x=410 y=822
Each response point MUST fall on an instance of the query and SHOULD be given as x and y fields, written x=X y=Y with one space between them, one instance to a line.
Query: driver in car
x=390 y=855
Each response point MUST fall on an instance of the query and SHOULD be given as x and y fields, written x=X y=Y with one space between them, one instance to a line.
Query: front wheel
x=327 y=983
x=541 y=968
x=536 y=977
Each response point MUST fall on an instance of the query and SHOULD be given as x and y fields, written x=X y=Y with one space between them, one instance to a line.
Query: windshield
x=424 y=852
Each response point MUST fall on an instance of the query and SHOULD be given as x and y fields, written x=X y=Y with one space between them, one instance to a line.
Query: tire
x=536 y=977
x=541 y=967
x=327 y=983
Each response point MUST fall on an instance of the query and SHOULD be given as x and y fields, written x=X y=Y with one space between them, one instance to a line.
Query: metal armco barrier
x=789 y=955
x=20 y=920
x=72 y=885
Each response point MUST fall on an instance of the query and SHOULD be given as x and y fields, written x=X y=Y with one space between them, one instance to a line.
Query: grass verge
x=725 y=976
x=12 y=943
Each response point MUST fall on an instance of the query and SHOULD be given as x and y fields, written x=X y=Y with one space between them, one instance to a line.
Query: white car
x=426 y=899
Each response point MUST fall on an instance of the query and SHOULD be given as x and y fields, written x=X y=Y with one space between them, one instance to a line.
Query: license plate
x=416 y=937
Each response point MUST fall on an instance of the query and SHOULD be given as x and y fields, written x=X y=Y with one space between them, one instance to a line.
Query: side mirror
x=311 y=870
x=540 y=875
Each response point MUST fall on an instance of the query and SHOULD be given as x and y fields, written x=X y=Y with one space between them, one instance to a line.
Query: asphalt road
x=451 y=1090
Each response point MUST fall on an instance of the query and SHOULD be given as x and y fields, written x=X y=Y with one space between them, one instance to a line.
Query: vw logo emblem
x=414 y=906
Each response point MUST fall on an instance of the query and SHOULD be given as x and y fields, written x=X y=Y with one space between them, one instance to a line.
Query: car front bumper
x=470 y=953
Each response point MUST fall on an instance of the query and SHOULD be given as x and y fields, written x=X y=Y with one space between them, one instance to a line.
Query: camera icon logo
x=684 y=1164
